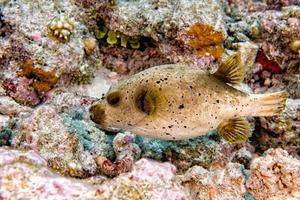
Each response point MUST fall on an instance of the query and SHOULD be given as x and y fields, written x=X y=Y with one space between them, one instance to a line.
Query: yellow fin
x=231 y=70
x=234 y=130
x=268 y=104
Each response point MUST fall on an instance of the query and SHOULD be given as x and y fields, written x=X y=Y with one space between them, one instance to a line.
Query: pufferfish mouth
x=97 y=114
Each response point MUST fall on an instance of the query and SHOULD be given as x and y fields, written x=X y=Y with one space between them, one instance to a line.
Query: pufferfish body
x=176 y=102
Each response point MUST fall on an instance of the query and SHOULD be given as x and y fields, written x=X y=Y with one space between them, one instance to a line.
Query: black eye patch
x=113 y=98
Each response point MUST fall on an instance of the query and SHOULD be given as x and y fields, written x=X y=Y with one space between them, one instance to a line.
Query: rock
x=66 y=144
x=274 y=176
x=218 y=184
x=27 y=173
x=24 y=175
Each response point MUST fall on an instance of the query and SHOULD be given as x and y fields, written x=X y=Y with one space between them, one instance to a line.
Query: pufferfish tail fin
x=268 y=104
x=231 y=70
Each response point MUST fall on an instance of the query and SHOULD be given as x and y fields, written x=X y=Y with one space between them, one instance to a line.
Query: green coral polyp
x=101 y=32
x=112 y=37
x=124 y=40
x=135 y=44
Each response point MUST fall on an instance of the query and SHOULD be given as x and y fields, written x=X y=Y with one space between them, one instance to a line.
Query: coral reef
x=226 y=183
x=205 y=151
x=58 y=57
x=164 y=25
x=68 y=145
x=32 y=20
x=126 y=154
x=148 y=180
x=29 y=170
x=276 y=175
x=21 y=91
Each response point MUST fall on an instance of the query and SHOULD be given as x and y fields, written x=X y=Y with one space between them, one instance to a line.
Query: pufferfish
x=175 y=102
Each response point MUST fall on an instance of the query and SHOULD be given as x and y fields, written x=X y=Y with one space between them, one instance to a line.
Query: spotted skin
x=189 y=103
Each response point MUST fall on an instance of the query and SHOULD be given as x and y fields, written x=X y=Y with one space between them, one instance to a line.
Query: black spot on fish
x=218 y=101
x=129 y=124
x=118 y=120
x=185 y=126
x=191 y=87
x=158 y=82
x=199 y=94
x=170 y=126
x=181 y=106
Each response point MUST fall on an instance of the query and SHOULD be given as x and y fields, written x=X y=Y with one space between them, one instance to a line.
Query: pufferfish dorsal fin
x=234 y=130
x=231 y=70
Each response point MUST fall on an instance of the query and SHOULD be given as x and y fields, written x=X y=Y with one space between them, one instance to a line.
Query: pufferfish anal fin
x=231 y=70
x=234 y=130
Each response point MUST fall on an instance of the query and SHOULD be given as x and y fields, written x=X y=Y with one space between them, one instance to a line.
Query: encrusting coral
x=42 y=81
x=206 y=40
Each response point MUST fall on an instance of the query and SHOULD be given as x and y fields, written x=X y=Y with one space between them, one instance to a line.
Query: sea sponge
x=295 y=46
x=205 y=39
x=43 y=81
x=89 y=45
x=60 y=28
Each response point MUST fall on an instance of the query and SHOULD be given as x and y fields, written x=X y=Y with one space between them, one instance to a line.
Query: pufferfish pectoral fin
x=231 y=70
x=234 y=130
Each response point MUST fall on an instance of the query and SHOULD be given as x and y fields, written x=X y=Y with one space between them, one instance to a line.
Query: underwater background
x=58 y=57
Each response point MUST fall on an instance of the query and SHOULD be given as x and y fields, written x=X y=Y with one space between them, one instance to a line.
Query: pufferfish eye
x=113 y=98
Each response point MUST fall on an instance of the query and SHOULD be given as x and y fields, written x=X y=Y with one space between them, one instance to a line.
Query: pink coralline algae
x=126 y=154
x=45 y=133
x=24 y=175
x=21 y=91
x=150 y=169
x=215 y=184
x=275 y=176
